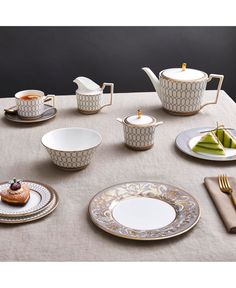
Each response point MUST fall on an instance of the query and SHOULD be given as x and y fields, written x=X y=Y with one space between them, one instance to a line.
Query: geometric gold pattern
x=139 y=137
x=180 y=96
x=30 y=108
x=71 y=160
x=89 y=103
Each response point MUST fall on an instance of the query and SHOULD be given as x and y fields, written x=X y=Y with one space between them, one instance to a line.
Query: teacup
x=30 y=103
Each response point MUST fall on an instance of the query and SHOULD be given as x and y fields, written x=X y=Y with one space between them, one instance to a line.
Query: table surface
x=68 y=234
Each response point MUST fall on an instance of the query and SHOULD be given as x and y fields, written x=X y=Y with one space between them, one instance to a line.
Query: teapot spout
x=153 y=78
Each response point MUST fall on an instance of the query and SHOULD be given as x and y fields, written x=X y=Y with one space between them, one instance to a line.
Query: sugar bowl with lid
x=139 y=130
x=181 y=90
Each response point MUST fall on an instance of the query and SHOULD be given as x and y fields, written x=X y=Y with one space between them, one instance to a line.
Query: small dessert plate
x=144 y=211
x=187 y=139
x=40 y=197
x=29 y=218
x=49 y=114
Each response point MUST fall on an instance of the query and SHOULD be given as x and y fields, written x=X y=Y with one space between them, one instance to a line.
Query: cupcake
x=17 y=194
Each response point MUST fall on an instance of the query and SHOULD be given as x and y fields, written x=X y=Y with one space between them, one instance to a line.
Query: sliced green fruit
x=209 y=144
x=226 y=138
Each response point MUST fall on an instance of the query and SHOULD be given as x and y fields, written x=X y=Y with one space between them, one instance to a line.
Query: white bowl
x=71 y=148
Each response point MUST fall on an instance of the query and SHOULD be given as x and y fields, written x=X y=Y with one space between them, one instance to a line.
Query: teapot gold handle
x=111 y=85
x=221 y=78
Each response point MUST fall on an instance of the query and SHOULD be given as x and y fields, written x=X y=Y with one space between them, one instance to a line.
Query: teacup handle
x=221 y=78
x=111 y=92
x=49 y=97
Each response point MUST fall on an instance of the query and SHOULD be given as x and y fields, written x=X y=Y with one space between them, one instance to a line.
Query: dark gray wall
x=49 y=58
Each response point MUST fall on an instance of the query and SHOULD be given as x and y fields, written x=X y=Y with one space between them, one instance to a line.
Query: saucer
x=46 y=116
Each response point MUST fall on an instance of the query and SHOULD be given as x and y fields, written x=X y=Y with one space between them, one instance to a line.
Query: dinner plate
x=187 y=139
x=40 y=197
x=29 y=218
x=46 y=116
x=144 y=210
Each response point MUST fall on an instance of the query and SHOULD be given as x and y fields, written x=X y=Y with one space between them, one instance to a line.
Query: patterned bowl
x=71 y=148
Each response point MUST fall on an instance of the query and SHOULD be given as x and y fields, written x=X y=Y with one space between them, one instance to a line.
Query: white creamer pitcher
x=90 y=95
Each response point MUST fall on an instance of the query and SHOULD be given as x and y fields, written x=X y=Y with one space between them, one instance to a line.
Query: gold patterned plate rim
x=46 y=198
x=186 y=207
x=24 y=219
x=182 y=142
x=46 y=116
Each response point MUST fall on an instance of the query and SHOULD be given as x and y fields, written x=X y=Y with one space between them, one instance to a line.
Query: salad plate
x=186 y=140
x=144 y=210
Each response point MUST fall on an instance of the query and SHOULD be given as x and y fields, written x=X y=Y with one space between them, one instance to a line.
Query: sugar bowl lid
x=140 y=120
x=183 y=74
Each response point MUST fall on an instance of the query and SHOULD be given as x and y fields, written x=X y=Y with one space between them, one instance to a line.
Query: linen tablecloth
x=68 y=234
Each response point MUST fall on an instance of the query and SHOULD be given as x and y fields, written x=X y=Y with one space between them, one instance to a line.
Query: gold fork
x=226 y=187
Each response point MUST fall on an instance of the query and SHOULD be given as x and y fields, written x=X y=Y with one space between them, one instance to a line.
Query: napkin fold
x=223 y=202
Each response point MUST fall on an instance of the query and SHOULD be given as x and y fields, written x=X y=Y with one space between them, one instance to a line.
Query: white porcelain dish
x=71 y=148
x=187 y=139
x=40 y=198
x=144 y=210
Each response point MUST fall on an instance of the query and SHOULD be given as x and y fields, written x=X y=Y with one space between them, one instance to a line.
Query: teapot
x=139 y=131
x=181 y=90
x=90 y=95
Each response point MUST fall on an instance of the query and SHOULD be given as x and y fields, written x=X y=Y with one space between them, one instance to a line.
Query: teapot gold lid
x=183 y=74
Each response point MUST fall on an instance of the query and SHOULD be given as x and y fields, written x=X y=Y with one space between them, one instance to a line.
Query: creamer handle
x=111 y=93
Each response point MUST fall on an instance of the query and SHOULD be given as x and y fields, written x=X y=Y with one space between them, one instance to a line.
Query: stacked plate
x=43 y=200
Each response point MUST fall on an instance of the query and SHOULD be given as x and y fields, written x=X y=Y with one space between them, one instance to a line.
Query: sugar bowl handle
x=159 y=123
x=119 y=120
x=111 y=85
x=221 y=78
